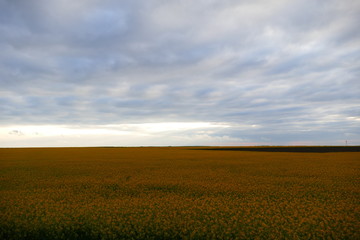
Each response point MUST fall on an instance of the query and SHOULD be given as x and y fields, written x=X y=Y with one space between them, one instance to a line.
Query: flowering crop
x=177 y=193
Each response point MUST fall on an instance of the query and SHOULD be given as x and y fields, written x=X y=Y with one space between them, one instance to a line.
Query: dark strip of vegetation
x=303 y=149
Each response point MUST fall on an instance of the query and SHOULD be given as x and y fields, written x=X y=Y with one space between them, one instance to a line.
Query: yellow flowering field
x=178 y=193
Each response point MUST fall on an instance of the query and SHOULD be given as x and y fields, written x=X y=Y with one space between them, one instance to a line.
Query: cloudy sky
x=167 y=72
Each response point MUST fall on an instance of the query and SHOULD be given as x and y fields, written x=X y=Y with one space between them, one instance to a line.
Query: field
x=179 y=193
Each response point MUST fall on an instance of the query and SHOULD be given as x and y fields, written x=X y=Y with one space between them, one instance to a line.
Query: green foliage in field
x=177 y=193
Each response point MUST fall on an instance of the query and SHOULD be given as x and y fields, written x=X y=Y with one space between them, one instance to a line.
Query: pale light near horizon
x=39 y=135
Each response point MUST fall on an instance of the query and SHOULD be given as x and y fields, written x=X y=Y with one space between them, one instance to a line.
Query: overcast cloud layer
x=202 y=72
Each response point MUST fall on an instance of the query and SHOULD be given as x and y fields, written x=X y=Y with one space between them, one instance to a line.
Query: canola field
x=178 y=193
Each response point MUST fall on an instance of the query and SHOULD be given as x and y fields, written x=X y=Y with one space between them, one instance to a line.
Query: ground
x=179 y=193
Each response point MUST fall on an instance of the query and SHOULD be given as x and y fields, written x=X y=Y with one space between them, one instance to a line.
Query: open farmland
x=179 y=193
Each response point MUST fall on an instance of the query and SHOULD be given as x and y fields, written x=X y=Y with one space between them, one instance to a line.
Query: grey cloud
x=284 y=66
x=16 y=132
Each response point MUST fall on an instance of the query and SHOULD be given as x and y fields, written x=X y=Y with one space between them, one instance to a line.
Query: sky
x=175 y=73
